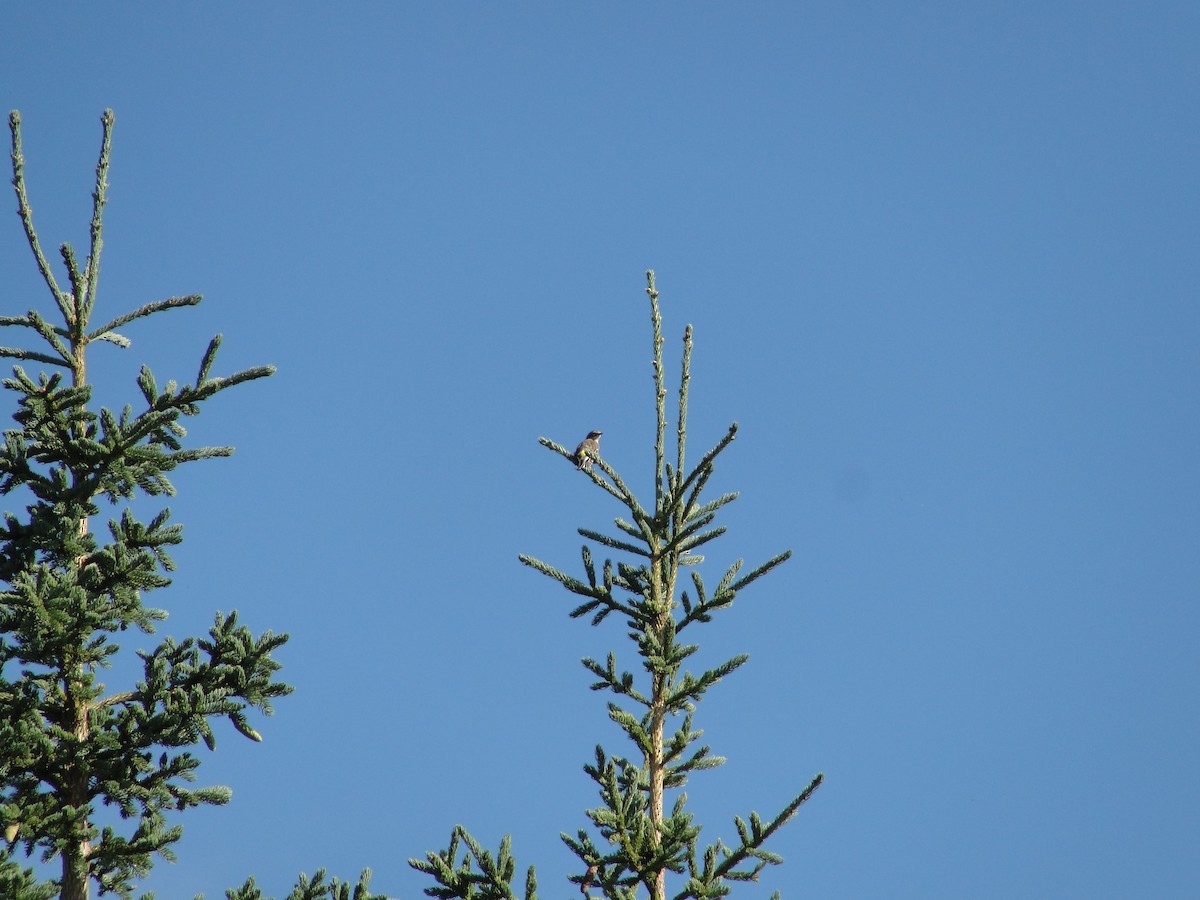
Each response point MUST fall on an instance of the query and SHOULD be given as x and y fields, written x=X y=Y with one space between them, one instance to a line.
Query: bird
x=588 y=447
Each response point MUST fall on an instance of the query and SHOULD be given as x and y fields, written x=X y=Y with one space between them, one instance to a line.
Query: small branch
x=78 y=283
x=50 y=335
x=707 y=461
x=617 y=487
x=26 y=213
x=615 y=543
x=15 y=353
x=759 y=835
x=148 y=309
x=574 y=585
x=660 y=392
x=625 y=495
x=760 y=571
x=99 y=198
x=681 y=438
x=114 y=699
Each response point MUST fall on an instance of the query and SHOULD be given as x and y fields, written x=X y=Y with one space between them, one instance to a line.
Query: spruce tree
x=654 y=585
x=69 y=745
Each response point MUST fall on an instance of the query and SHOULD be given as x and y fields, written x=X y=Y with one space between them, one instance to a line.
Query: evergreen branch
x=607 y=606
x=479 y=876
x=618 y=684
x=47 y=331
x=570 y=456
x=617 y=487
x=687 y=509
x=606 y=871
x=613 y=542
x=629 y=529
x=182 y=456
x=660 y=392
x=702 y=610
x=574 y=585
x=158 y=422
x=604 y=613
x=623 y=818
x=724 y=595
x=148 y=386
x=677 y=774
x=33 y=355
x=681 y=435
x=709 y=508
x=315 y=888
x=692 y=687
x=689 y=544
x=588 y=566
x=684 y=737
x=17 y=320
x=181 y=691
x=601 y=595
x=559 y=449
x=694 y=524
x=707 y=461
x=727 y=580
x=686 y=538
x=760 y=571
x=147 y=310
x=210 y=355
x=636 y=580
x=112 y=337
x=215 y=385
x=626 y=496
x=20 y=884
x=26 y=213
x=87 y=302
x=629 y=723
x=753 y=838
x=77 y=279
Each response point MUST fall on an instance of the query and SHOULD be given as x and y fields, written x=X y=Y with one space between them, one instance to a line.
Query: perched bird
x=588 y=447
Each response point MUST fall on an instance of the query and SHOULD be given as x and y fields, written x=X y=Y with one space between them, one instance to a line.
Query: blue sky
x=941 y=263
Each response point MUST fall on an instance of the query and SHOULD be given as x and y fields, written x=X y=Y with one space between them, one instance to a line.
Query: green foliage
x=479 y=874
x=67 y=592
x=640 y=841
x=315 y=888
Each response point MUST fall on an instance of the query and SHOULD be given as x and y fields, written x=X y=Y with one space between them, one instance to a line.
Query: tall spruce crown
x=640 y=842
x=71 y=745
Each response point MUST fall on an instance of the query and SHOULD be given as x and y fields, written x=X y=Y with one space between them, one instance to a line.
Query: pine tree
x=640 y=841
x=67 y=745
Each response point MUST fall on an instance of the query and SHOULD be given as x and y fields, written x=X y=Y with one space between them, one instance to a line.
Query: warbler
x=588 y=447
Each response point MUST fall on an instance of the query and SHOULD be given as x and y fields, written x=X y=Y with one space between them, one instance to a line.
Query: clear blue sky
x=941 y=259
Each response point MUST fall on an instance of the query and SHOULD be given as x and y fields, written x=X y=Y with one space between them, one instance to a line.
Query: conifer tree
x=655 y=586
x=68 y=745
